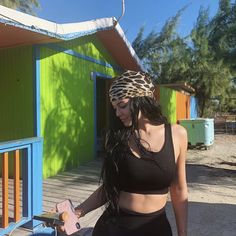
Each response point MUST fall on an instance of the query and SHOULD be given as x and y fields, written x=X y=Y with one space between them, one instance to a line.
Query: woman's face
x=122 y=109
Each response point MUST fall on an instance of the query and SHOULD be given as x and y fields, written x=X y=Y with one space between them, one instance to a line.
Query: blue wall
x=193 y=107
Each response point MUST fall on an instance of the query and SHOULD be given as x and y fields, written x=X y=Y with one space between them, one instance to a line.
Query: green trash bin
x=200 y=131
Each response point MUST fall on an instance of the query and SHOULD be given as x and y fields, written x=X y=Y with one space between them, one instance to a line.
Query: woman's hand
x=79 y=212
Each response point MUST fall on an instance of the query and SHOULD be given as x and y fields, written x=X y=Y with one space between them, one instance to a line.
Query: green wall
x=66 y=102
x=67 y=110
x=16 y=96
x=168 y=103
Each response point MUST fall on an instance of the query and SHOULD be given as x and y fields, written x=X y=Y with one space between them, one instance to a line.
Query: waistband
x=130 y=212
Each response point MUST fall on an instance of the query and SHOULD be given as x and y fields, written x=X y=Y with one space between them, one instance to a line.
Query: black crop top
x=152 y=174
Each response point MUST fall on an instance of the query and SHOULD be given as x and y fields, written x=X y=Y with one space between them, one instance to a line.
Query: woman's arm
x=178 y=188
x=95 y=200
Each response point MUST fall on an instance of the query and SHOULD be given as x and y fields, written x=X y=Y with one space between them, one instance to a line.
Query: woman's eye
x=123 y=106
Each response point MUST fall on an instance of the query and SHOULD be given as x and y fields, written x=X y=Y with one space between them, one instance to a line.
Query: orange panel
x=5 y=212
x=188 y=107
x=17 y=185
x=183 y=106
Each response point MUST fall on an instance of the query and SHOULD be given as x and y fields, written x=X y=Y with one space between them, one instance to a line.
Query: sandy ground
x=222 y=154
x=211 y=176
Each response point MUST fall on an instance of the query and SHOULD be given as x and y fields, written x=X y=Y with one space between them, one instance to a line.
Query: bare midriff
x=142 y=203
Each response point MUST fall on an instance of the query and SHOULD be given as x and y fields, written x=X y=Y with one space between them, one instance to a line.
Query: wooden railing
x=28 y=152
x=5 y=188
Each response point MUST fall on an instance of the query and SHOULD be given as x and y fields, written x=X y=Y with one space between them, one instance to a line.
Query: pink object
x=71 y=224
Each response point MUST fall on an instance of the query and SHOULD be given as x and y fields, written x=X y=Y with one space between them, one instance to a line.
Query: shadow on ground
x=210 y=175
x=208 y=219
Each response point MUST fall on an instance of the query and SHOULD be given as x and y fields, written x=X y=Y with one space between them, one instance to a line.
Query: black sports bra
x=149 y=174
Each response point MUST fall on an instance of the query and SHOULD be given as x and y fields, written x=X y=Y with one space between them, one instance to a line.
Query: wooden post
x=16 y=185
x=5 y=212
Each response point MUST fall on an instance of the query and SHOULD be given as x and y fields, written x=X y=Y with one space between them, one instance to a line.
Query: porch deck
x=211 y=184
x=76 y=185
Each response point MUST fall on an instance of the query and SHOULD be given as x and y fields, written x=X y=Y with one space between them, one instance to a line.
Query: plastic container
x=200 y=131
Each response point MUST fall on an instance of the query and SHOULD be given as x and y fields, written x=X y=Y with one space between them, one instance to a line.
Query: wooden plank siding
x=174 y=105
x=183 y=106
x=67 y=101
x=168 y=104
x=17 y=109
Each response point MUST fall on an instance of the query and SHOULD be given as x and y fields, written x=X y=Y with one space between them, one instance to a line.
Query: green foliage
x=206 y=58
x=26 y=6
x=222 y=36
x=210 y=74
x=164 y=54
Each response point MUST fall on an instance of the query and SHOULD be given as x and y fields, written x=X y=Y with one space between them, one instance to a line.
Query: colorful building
x=54 y=79
x=53 y=101
x=177 y=101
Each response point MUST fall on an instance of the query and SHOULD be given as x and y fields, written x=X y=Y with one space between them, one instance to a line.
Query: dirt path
x=211 y=176
x=221 y=155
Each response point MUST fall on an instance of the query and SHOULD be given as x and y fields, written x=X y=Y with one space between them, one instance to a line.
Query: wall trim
x=73 y=53
x=36 y=89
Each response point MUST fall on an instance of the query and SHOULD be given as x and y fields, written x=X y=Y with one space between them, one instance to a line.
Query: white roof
x=17 y=28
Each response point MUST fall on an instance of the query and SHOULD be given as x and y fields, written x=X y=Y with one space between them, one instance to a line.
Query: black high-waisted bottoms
x=129 y=223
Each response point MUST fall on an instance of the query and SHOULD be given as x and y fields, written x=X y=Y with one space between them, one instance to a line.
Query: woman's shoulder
x=180 y=137
x=179 y=131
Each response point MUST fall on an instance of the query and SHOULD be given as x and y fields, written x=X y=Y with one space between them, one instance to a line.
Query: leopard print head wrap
x=131 y=84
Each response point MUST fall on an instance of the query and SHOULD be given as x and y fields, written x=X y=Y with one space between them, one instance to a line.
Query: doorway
x=102 y=112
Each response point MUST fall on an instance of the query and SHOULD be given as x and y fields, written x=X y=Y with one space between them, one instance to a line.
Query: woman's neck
x=145 y=125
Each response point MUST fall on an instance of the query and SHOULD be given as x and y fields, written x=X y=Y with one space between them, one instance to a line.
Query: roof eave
x=183 y=86
x=33 y=30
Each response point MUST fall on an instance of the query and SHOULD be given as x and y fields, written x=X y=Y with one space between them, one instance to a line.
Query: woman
x=145 y=158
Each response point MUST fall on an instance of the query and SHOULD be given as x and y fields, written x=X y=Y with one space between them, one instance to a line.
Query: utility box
x=200 y=131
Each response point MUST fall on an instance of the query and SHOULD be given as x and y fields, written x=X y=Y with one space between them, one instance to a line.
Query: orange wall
x=183 y=106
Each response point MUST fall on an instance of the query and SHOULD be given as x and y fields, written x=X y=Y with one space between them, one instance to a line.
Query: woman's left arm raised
x=178 y=188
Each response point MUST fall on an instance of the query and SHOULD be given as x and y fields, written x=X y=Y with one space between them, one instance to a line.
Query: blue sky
x=150 y=13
